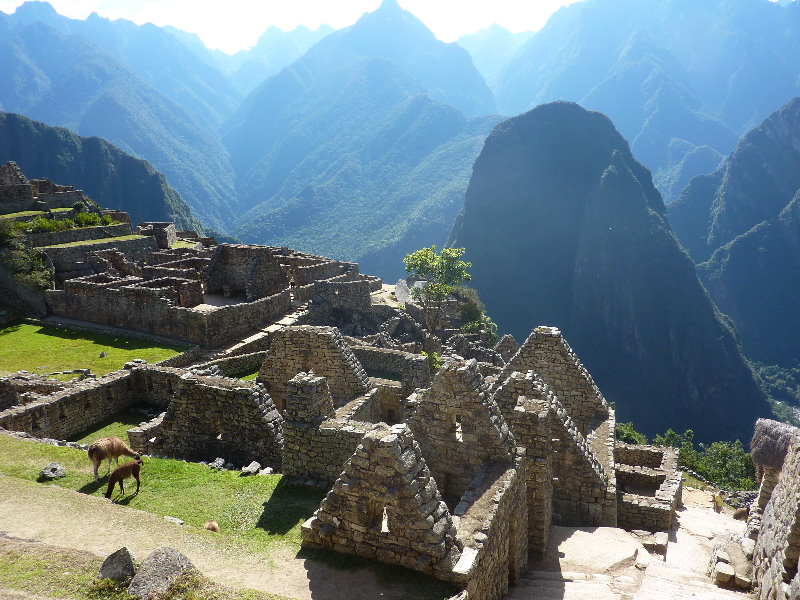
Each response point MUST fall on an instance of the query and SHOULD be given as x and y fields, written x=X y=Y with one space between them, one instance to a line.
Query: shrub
x=626 y=433
x=434 y=361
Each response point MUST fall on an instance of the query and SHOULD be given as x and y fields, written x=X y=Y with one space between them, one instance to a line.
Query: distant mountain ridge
x=68 y=81
x=347 y=152
x=742 y=226
x=564 y=228
x=105 y=173
x=682 y=80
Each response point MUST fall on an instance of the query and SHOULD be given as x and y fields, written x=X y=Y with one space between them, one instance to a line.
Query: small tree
x=442 y=271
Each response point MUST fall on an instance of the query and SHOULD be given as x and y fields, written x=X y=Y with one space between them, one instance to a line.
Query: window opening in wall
x=385 y=522
x=459 y=433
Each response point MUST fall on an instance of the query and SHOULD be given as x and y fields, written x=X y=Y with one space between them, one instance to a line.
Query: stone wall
x=76 y=258
x=154 y=311
x=459 y=427
x=495 y=555
x=775 y=559
x=386 y=506
x=649 y=487
x=250 y=271
x=324 y=269
x=69 y=412
x=346 y=295
x=582 y=494
x=550 y=356
x=411 y=370
x=163 y=232
x=235 y=366
x=322 y=350
x=209 y=417
x=79 y=234
x=524 y=401
x=316 y=443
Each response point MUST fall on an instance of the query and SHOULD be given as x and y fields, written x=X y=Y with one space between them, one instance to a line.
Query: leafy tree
x=441 y=271
x=626 y=433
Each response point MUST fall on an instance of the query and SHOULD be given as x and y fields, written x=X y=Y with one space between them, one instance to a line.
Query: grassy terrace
x=97 y=241
x=257 y=515
x=32 y=213
x=184 y=244
x=44 y=349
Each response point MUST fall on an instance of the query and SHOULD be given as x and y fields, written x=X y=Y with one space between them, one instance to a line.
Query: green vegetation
x=118 y=426
x=442 y=271
x=24 y=213
x=259 y=513
x=119 y=238
x=44 y=349
x=27 y=265
x=724 y=464
x=42 y=224
x=434 y=361
x=626 y=433
x=248 y=376
x=474 y=313
x=184 y=244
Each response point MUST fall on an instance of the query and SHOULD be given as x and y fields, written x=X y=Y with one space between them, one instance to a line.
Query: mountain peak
x=389 y=5
x=35 y=9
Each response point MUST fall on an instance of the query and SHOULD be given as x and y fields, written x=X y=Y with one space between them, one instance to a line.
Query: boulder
x=52 y=471
x=118 y=566
x=252 y=469
x=158 y=571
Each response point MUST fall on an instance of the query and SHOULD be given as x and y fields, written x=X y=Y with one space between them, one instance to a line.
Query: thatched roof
x=771 y=441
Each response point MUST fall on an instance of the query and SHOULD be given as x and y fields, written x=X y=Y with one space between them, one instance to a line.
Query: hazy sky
x=232 y=25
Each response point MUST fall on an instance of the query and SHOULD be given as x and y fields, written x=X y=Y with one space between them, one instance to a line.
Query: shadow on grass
x=93 y=486
x=397 y=581
x=121 y=343
x=125 y=417
x=287 y=506
x=10 y=329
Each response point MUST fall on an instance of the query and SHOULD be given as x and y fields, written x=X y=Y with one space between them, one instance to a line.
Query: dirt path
x=60 y=517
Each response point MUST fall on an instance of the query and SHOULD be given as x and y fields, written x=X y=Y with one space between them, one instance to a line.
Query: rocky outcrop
x=564 y=227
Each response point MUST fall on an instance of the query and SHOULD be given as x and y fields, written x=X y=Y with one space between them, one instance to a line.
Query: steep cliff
x=105 y=173
x=565 y=228
x=742 y=227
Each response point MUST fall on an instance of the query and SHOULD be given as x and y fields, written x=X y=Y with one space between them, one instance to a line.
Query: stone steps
x=546 y=585
x=662 y=581
x=260 y=340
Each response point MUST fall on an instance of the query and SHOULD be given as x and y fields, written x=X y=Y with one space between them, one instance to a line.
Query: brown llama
x=108 y=448
x=122 y=472
x=212 y=526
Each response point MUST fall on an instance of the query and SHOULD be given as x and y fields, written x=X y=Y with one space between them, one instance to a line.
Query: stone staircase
x=260 y=340
x=660 y=582
x=549 y=585
x=663 y=581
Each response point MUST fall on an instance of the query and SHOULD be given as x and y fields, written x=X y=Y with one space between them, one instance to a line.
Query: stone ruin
x=19 y=194
x=458 y=475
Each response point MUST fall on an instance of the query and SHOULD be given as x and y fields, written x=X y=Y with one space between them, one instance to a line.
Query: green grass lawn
x=97 y=241
x=259 y=513
x=249 y=376
x=118 y=425
x=184 y=244
x=21 y=214
x=44 y=349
